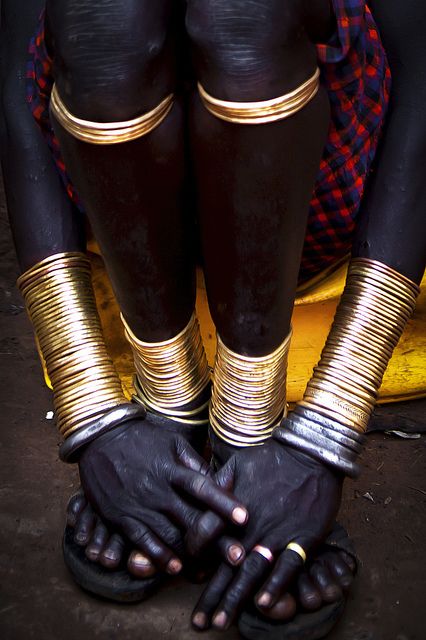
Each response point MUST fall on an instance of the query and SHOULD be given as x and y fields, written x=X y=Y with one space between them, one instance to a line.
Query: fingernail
x=264 y=600
x=174 y=566
x=200 y=620
x=239 y=515
x=140 y=560
x=235 y=553
x=220 y=620
x=110 y=555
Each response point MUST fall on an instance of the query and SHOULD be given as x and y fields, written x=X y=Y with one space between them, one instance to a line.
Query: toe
x=97 y=542
x=326 y=583
x=283 y=609
x=112 y=553
x=84 y=526
x=309 y=595
x=140 y=565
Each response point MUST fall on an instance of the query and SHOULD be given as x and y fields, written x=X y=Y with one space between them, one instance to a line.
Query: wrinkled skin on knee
x=126 y=66
x=241 y=47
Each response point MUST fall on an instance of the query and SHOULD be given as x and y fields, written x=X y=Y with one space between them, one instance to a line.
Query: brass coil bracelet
x=376 y=303
x=249 y=395
x=172 y=374
x=61 y=304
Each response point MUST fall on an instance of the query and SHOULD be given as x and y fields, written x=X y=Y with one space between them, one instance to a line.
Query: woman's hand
x=290 y=497
x=150 y=485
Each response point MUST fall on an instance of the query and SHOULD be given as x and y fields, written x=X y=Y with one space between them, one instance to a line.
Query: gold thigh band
x=263 y=111
x=108 y=132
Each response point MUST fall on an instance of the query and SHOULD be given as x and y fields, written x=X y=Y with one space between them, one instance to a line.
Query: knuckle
x=199 y=484
x=208 y=525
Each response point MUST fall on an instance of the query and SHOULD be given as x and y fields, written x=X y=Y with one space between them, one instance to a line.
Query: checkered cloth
x=354 y=71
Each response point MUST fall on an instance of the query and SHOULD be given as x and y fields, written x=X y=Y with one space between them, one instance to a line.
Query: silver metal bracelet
x=322 y=442
x=70 y=448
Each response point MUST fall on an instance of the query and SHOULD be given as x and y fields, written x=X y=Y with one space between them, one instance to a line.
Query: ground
x=384 y=511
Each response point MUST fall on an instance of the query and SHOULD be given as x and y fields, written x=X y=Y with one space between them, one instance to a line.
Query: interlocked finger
x=205 y=490
x=145 y=540
x=211 y=596
x=231 y=550
x=207 y=528
x=286 y=569
x=249 y=576
x=183 y=514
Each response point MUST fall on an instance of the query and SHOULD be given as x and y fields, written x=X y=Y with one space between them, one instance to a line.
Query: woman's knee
x=250 y=51
x=112 y=60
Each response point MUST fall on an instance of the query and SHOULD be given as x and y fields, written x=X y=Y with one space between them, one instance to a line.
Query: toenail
x=140 y=560
x=81 y=537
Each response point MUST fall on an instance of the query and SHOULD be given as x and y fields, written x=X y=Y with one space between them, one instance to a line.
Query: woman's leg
x=133 y=192
x=393 y=222
x=254 y=181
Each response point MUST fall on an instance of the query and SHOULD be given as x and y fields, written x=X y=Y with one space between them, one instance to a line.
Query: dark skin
x=60 y=230
x=153 y=280
x=44 y=222
x=255 y=325
x=262 y=330
x=392 y=231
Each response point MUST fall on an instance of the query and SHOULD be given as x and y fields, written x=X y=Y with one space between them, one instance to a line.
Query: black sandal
x=118 y=585
x=305 y=625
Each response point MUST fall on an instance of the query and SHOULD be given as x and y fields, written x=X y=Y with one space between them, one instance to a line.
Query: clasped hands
x=153 y=488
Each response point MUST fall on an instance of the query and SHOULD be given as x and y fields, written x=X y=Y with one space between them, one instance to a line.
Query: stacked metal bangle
x=341 y=395
x=249 y=395
x=172 y=374
x=264 y=111
x=61 y=304
x=109 y=132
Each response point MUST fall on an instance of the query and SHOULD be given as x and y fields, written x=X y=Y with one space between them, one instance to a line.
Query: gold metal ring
x=294 y=546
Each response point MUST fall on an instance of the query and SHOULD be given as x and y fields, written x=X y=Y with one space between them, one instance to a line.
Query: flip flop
x=118 y=585
x=304 y=626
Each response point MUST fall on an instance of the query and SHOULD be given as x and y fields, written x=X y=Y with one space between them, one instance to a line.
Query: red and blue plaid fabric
x=355 y=73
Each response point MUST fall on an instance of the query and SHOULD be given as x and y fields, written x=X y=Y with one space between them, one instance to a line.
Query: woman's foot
x=100 y=545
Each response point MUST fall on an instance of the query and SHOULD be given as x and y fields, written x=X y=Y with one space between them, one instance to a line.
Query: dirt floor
x=384 y=511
